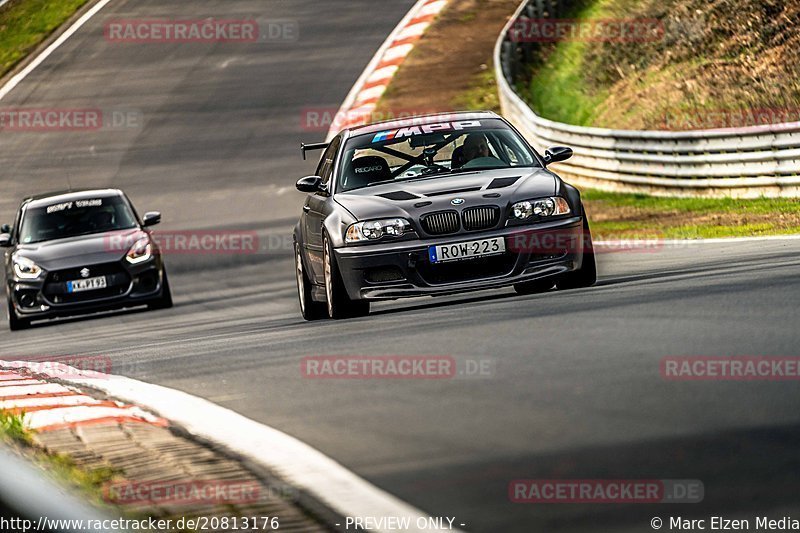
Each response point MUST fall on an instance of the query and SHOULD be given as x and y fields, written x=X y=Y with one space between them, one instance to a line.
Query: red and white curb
x=47 y=406
x=364 y=96
x=297 y=463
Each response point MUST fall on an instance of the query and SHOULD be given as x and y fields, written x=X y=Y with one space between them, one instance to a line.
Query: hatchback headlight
x=542 y=208
x=376 y=229
x=24 y=268
x=141 y=251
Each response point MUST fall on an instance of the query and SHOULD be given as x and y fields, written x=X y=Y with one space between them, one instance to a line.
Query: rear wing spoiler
x=312 y=146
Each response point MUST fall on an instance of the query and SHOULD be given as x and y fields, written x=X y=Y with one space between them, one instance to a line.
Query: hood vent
x=399 y=196
x=499 y=183
x=454 y=191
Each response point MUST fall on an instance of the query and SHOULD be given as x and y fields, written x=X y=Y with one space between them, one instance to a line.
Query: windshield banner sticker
x=426 y=129
x=66 y=206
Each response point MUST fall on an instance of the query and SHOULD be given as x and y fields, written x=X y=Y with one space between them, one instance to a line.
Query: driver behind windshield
x=475 y=146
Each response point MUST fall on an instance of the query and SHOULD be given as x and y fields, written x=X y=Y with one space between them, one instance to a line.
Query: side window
x=325 y=168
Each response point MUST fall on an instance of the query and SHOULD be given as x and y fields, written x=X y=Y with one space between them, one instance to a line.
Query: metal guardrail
x=743 y=162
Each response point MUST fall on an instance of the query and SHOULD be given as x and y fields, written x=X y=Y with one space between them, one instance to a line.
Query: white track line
x=21 y=75
x=300 y=465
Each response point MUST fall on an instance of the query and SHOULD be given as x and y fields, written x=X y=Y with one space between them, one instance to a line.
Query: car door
x=315 y=210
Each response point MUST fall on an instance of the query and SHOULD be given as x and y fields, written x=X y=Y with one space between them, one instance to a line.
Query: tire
x=586 y=275
x=339 y=304
x=310 y=309
x=14 y=323
x=165 y=301
x=534 y=287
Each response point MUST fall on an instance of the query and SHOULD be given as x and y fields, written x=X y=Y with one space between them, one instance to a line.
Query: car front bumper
x=129 y=286
x=402 y=269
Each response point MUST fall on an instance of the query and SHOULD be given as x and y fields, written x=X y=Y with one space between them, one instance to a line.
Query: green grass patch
x=90 y=482
x=481 y=96
x=695 y=205
x=638 y=215
x=558 y=89
x=26 y=23
x=13 y=428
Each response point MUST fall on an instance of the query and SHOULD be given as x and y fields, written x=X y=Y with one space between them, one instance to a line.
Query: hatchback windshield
x=420 y=151
x=79 y=217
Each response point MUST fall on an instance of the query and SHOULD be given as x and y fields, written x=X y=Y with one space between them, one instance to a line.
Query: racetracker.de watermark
x=209 y=30
x=709 y=119
x=191 y=242
x=574 y=240
x=320 y=119
x=176 y=493
x=68 y=119
x=528 y=30
x=620 y=491
x=733 y=368
x=64 y=366
x=396 y=367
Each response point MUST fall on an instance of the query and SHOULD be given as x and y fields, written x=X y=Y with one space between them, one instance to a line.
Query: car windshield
x=421 y=151
x=61 y=220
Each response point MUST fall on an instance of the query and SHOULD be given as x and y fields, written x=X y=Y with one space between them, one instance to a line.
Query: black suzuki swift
x=77 y=252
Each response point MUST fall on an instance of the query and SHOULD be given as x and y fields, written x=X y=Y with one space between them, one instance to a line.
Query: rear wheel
x=14 y=323
x=165 y=302
x=310 y=309
x=586 y=275
x=339 y=304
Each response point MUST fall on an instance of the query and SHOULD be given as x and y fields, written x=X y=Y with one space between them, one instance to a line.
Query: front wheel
x=586 y=275
x=339 y=304
x=14 y=323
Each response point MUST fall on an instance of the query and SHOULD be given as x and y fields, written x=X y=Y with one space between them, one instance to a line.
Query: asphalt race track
x=575 y=389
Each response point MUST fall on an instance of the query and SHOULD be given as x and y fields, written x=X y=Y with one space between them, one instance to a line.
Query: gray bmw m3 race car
x=435 y=205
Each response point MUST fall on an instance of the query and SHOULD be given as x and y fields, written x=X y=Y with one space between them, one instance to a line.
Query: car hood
x=410 y=199
x=80 y=251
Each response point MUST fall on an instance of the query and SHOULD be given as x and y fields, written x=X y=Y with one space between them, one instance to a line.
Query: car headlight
x=376 y=229
x=24 y=268
x=141 y=251
x=542 y=207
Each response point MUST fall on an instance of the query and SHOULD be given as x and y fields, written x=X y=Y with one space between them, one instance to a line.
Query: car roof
x=69 y=196
x=420 y=121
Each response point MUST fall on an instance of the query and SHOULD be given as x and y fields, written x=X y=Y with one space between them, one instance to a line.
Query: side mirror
x=554 y=154
x=309 y=184
x=5 y=228
x=5 y=240
x=151 y=218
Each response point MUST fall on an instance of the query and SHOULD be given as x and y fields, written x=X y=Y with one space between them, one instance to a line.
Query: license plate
x=466 y=250
x=90 y=284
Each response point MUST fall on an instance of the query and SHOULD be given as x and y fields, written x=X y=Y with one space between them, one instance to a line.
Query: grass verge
x=26 y=23
x=699 y=65
x=617 y=215
x=13 y=428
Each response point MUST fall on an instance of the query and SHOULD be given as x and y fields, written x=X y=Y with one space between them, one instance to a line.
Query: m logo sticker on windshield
x=424 y=130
